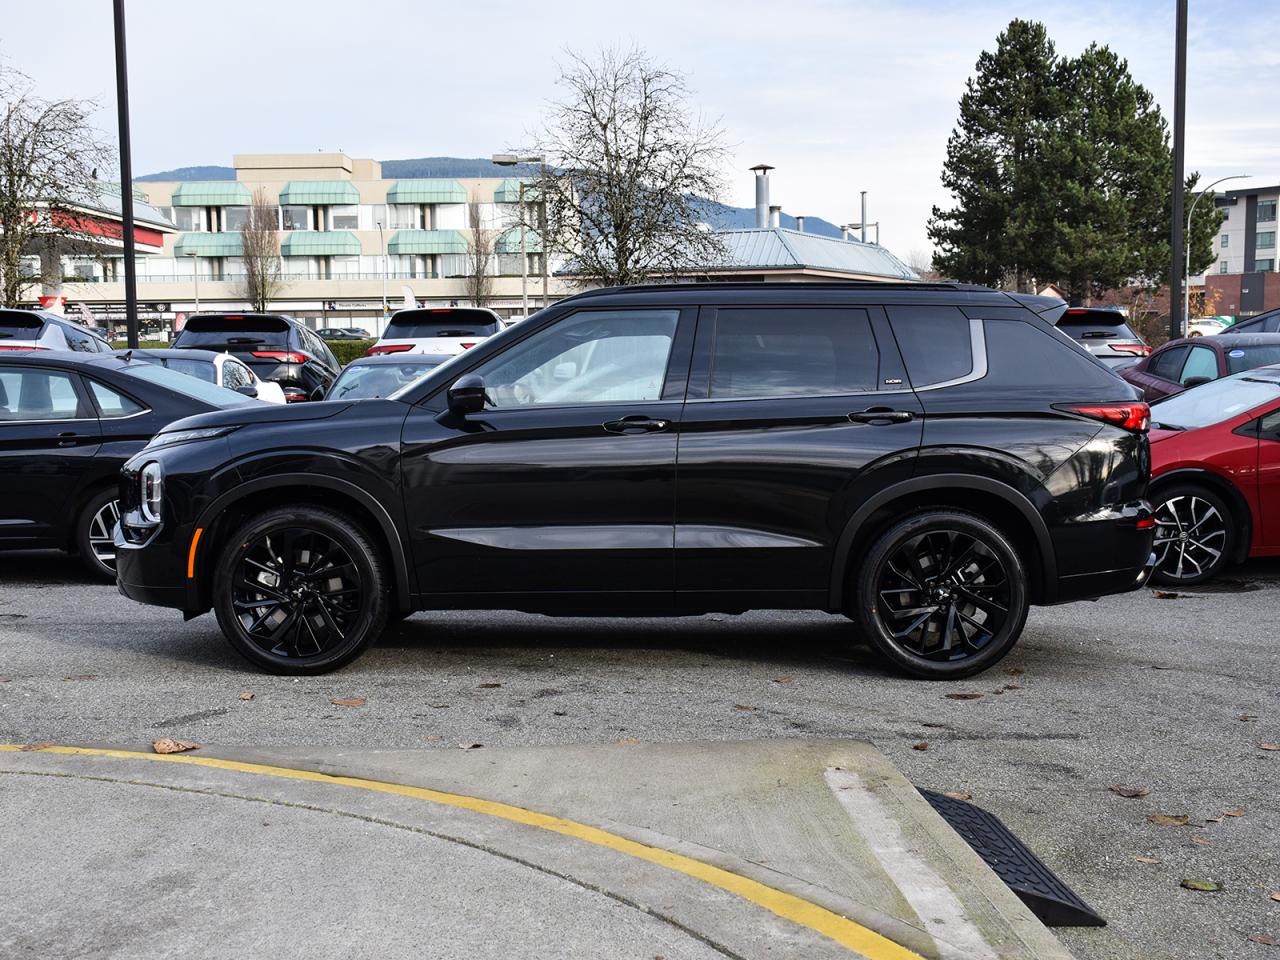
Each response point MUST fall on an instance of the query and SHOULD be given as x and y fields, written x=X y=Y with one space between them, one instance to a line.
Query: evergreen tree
x=997 y=229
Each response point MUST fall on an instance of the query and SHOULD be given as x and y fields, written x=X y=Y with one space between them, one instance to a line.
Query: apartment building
x=1244 y=279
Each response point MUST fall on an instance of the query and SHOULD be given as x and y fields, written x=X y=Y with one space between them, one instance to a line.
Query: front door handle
x=882 y=416
x=636 y=424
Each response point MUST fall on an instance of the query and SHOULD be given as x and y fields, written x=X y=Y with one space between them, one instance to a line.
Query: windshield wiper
x=245 y=340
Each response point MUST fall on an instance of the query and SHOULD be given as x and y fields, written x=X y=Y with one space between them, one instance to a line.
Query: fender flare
x=387 y=526
x=1225 y=487
x=964 y=481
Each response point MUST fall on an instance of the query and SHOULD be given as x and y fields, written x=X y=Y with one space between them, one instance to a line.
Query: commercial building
x=1244 y=280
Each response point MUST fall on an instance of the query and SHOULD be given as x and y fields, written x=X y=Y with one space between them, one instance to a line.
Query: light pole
x=195 y=273
x=1179 y=156
x=382 y=248
x=510 y=160
x=126 y=180
x=1186 y=263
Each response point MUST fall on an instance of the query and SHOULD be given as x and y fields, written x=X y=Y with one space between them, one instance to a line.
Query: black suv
x=277 y=347
x=929 y=459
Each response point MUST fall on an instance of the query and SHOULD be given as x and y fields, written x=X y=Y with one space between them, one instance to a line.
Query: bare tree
x=921 y=261
x=48 y=159
x=628 y=169
x=260 y=249
x=482 y=243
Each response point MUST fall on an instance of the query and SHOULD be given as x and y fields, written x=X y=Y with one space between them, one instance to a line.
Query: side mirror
x=467 y=394
x=249 y=390
x=1197 y=381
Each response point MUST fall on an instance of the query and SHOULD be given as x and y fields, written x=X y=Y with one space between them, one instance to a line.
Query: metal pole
x=382 y=248
x=524 y=261
x=863 y=225
x=1186 y=264
x=126 y=182
x=1179 y=181
x=195 y=272
x=542 y=236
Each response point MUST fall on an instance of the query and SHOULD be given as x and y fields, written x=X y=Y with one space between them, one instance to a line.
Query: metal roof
x=319 y=192
x=216 y=193
x=109 y=202
x=319 y=243
x=426 y=241
x=431 y=190
x=776 y=248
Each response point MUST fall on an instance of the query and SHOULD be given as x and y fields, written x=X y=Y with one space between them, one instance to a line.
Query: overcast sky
x=840 y=96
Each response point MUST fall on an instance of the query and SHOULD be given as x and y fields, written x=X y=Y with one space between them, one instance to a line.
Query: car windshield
x=1215 y=402
x=188 y=386
x=363 y=381
x=15 y=325
x=232 y=330
x=1241 y=359
x=423 y=324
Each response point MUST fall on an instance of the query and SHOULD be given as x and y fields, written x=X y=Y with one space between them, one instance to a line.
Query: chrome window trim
x=978 y=346
x=800 y=396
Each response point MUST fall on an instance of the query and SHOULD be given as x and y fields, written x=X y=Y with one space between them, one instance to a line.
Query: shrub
x=348 y=350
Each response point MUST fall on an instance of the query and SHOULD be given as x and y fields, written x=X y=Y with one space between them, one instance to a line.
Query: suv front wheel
x=942 y=594
x=300 y=590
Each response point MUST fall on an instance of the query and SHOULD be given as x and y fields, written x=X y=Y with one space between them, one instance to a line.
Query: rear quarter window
x=1021 y=356
x=936 y=343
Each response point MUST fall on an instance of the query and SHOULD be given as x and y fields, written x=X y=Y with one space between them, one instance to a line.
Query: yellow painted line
x=191 y=554
x=864 y=941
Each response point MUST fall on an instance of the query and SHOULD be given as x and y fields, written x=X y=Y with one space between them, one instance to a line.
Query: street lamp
x=1186 y=263
x=195 y=273
x=382 y=248
x=510 y=160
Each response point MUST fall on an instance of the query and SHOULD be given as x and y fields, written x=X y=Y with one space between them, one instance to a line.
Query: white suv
x=40 y=330
x=436 y=330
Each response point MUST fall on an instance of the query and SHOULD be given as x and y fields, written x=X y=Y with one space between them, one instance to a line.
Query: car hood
x=259 y=413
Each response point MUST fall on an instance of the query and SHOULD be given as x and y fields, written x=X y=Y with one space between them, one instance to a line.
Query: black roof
x=412 y=359
x=70 y=359
x=165 y=353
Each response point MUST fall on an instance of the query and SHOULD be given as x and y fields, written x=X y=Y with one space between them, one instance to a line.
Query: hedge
x=348 y=350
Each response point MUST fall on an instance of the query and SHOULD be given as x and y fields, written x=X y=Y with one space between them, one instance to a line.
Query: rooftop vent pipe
x=762 y=194
x=800 y=224
x=775 y=216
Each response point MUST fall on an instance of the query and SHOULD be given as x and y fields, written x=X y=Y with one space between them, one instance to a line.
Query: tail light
x=467 y=346
x=1137 y=349
x=284 y=356
x=1127 y=416
x=7 y=347
x=381 y=348
x=293 y=396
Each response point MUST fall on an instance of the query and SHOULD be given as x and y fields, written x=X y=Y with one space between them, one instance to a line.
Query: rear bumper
x=1104 y=552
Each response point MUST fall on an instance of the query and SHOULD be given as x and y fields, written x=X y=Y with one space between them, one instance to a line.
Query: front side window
x=597 y=356
x=235 y=374
x=37 y=395
x=1200 y=363
x=792 y=352
x=112 y=405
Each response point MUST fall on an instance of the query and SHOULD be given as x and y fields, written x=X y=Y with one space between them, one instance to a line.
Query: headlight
x=151 y=480
x=186 y=436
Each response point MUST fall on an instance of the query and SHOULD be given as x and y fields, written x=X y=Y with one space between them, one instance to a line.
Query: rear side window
x=1167 y=365
x=424 y=324
x=791 y=352
x=112 y=405
x=1256 y=356
x=232 y=330
x=1022 y=357
x=80 y=340
x=16 y=325
x=936 y=343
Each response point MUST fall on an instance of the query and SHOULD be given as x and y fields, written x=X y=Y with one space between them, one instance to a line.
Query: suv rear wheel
x=942 y=594
x=301 y=590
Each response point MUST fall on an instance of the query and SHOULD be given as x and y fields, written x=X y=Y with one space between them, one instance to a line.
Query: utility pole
x=126 y=182
x=1176 y=238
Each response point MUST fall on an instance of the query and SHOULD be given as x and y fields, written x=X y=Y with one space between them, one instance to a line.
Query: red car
x=1181 y=364
x=1215 y=475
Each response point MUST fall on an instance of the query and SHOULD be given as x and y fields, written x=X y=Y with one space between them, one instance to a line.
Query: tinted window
x=359 y=382
x=187 y=386
x=1256 y=356
x=1167 y=364
x=112 y=405
x=16 y=325
x=418 y=324
x=232 y=330
x=235 y=374
x=37 y=395
x=1096 y=325
x=200 y=369
x=792 y=352
x=80 y=340
x=935 y=343
x=1023 y=357
x=1201 y=362
x=597 y=356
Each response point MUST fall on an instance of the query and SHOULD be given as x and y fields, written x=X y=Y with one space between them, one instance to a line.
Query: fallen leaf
x=470 y=746
x=1265 y=939
x=1013 y=686
x=922 y=745
x=1204 y=886
x=1275 y=895
x=1161 y=666
x=628 y=742
x=783 y=680
x=1217 y=819
x=83 y=676
x=1269 y=746
x=1237 y=812
x=349 y=702
x=1015 y=671
x=438 y=706
x=1165 y=594
x=1247 y=717
x=742 y=706
x=963 y=696
x=33 y=747
x=434 y=739
x=939 y=726
x=1169 y=819
x=1130 y=792
x=488 y=686
x=1202 y=841
x=1147 y=859
x=169 y=745
x=559 y=713
x=4 y=679
x=246 y=695
x=958 y=795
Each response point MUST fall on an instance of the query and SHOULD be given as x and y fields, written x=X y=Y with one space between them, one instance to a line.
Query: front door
x=563 y=489
x=789 y=409
x=1269 y=479
x=48 y=437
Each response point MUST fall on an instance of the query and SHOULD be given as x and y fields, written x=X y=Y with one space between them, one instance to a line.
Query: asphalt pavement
x=1174 y=696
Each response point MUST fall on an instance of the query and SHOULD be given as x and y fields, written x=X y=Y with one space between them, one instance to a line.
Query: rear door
x=49 y=435
x=791 y=409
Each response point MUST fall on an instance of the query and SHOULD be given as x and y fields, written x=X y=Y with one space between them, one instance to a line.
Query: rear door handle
x=882 y=416
x=68 y=439
x=636 y=424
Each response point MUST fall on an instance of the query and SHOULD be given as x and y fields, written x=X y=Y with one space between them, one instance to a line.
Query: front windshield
x=1215 y=402
x=364 y=381
x=188 y=386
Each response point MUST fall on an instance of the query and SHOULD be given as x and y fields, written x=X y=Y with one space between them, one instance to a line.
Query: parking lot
x=1173 y=695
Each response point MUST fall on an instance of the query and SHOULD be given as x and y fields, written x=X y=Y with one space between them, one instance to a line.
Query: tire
x=275 y=609
x=1191 y=509
x=95 y=540
x=942 y=595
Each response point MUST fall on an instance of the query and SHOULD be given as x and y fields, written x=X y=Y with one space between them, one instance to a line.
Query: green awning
x=209 y=245
x=427 y=241
x=436 y=190
x=319 y=243
x=509 y=242
x=509 y=191
x=213 y=193
x=318 y=193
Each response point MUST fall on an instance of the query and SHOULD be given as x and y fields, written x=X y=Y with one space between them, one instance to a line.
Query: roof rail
x=785 y=285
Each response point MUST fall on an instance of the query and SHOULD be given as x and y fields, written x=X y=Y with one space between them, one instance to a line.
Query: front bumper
x=147 y=574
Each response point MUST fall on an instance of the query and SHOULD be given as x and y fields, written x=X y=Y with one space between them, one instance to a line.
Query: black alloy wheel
x=95 y=533
x=300 y=590
x=1194 y=535
x=942 y=594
